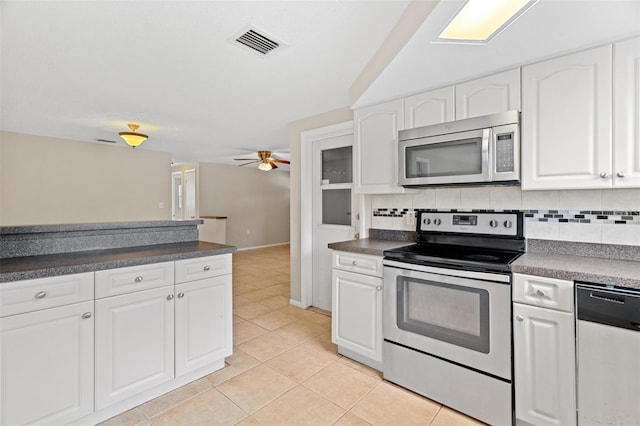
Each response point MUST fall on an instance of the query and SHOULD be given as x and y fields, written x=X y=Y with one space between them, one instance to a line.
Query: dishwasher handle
x=603 y=305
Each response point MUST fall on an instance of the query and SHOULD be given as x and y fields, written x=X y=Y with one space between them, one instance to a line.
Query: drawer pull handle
x=207 y=268
x=604 y=175
x=354 y=263
x=540 y=293
x=180 y=295
x=41 y=295
x=620 y=174
x=379 y=287
x=87 y=315
x=139 y=279
x=170 y=297
x=519 y=318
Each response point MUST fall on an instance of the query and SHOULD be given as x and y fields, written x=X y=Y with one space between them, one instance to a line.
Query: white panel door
x=376 y=148
x=357 y=313
x=566 y=122
x=626 y=119
x=203 y=323
x=433 y=107
x=134 y=344
x=46 y=374
x=190 y=195
x=544 y=365
x=488 y=95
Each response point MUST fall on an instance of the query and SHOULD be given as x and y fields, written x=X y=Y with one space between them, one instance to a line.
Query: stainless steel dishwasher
x=608 y=355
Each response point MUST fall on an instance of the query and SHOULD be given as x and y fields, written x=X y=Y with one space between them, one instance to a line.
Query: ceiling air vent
x=257 y=41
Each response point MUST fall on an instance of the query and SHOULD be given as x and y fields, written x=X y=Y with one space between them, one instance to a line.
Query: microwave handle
x=486 y=139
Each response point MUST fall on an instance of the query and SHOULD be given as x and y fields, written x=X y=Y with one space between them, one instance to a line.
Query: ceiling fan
x=266 y=160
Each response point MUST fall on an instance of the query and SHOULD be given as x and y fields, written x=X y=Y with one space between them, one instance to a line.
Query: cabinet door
x=203 y=323
x=134 y=344
x=544 y=366
x=376 y=148
x=627 y=113
x=433 y=107
x=357 y=313
x=46 y=374
x=488 y=95
x=566 y=122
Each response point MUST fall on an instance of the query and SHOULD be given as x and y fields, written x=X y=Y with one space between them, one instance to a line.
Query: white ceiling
x=82 y=69
x=550 y=28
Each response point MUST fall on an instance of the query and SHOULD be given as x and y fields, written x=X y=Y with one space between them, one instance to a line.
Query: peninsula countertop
x=28 y=267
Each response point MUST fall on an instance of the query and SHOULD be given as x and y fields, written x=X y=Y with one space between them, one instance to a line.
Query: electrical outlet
x=161 y=205
x=410 y=219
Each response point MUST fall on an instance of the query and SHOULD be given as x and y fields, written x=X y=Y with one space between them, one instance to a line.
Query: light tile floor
x=284 y=369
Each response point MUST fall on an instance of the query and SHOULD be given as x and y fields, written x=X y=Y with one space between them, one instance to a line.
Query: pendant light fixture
x=132 y=138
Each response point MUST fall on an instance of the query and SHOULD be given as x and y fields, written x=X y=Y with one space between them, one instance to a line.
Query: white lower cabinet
x=544 y=351
x=134 y=344
x=357 y=314
x=203 y=332
x=47 y=365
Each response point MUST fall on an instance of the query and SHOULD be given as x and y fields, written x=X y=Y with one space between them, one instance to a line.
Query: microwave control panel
x=504 y=152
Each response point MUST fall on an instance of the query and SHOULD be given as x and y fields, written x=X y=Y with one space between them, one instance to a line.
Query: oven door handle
x=410 y=269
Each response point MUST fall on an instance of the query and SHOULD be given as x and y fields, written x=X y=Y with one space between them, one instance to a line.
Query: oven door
x=446 y=159
x=462 y=319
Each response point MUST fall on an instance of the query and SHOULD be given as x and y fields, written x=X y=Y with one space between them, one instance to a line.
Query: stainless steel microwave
x=479 y=150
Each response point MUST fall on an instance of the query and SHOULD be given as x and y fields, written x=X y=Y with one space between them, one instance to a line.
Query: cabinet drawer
x=202 y=267
x=134 y=278
x=42 y=293
x=359 y=263
x=549 y=293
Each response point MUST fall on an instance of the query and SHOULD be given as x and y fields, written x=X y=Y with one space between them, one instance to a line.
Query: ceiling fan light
x=133 y=138
x=265 y=166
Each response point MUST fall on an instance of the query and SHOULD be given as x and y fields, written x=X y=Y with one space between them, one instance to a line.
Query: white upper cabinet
x=376 y=148
x=566 y=121
x=626 y=131
x=433 y=107
x=488 y=95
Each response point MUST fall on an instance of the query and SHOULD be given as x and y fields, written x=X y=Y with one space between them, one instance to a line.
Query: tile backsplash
x=609 y=216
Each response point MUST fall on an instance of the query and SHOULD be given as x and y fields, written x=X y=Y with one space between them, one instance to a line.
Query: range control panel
x=493 y=223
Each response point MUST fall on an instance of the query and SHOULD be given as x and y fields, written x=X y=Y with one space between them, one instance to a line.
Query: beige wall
x=297 y=127
x=48 y=180
x=256 y=203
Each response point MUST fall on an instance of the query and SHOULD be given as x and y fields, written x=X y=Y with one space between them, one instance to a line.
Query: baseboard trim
x=264 y=246
x=297 y=304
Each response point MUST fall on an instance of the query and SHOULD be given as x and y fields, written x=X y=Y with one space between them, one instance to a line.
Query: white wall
x=566 y=202
x=256 y=203
x=48 y=181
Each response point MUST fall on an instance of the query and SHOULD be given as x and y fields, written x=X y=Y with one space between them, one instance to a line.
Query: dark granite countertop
x=368 y=245
x=213 y=217
x=21 y=268
x=624 y=273
x=72 y=227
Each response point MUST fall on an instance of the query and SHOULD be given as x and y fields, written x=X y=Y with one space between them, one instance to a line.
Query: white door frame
x=306 y=202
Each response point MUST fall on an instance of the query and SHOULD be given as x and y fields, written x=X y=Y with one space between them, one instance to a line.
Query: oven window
x=450 y=313
x=460 y=157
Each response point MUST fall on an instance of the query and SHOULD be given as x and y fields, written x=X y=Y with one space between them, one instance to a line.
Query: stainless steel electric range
x=447 y=311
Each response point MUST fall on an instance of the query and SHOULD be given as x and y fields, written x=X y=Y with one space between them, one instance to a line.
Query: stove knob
x=507 y=224
x=493 y=223
x=437 y=221
x=426 y=221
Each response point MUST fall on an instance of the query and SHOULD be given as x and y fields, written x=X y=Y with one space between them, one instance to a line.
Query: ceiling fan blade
x=277 y=160
x=250 y=162
x=247 y=159
x=273 y=165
